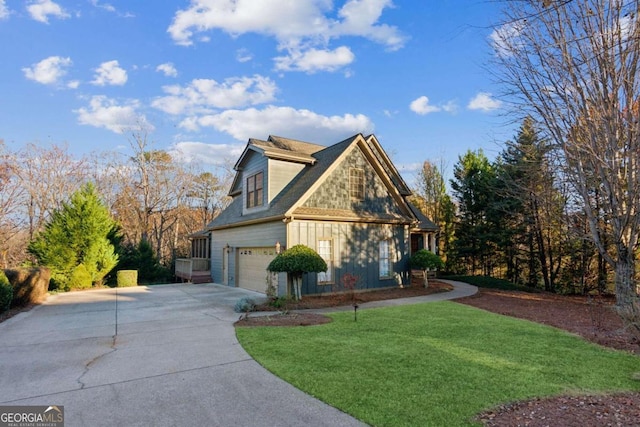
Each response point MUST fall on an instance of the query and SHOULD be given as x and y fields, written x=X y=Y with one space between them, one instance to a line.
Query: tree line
x=514 y=218
x=155 y=200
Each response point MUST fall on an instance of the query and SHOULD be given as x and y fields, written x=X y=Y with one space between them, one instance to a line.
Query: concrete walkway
x=153 y=356
x=460 y=290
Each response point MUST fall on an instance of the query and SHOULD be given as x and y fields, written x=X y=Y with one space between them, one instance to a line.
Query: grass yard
x=435 y=364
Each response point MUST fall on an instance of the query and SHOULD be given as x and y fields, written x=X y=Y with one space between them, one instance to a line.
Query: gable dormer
x=265 y=168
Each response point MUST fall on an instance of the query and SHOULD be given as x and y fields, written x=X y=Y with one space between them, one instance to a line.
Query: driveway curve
x=162 y=355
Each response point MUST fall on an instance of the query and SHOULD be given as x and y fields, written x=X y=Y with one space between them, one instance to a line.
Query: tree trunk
x=626 y=292
x=426 y=278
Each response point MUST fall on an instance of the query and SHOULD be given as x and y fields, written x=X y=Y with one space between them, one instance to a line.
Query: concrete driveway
x=147 y=356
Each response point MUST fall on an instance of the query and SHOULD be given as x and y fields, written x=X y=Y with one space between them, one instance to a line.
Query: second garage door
x=252 y=267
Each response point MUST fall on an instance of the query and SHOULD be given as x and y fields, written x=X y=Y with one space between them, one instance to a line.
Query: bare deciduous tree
x=573 y=65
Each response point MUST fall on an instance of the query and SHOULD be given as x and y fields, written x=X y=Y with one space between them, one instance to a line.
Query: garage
x=252 y=267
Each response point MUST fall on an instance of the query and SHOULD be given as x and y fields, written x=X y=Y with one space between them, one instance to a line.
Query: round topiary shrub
x=6 y=293
x=296 y=261
x=244 y=305
x=127 y=278
x=425 y=260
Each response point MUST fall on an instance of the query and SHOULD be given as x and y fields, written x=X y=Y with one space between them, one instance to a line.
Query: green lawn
x=434 y=364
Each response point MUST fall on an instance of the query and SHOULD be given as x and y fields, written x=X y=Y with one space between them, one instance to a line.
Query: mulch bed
x=284 y=319
x=592 y=318
x=337 y=300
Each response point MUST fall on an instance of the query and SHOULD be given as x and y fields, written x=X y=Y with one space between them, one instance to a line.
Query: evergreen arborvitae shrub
x=142 y=258
x=80 y=278
x=6 y=293
x=79 y=233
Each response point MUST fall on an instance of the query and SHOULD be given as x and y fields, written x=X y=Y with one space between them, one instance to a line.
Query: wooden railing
x=186 y=268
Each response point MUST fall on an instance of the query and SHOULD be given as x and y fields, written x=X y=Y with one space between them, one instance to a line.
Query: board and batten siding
x=257 y=235
x=279 y=175
x=355 y=250
x=253 y=164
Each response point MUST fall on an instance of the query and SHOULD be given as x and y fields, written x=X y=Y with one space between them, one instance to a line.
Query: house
x=346 y=201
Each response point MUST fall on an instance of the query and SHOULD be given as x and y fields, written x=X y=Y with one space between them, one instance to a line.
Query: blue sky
x=205 y=75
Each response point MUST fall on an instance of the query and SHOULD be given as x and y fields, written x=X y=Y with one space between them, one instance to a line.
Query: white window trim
x=387 y=258
x=330 y=270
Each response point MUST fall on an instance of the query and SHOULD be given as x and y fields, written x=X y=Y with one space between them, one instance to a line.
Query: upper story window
x=255 y=185
x=356 y=183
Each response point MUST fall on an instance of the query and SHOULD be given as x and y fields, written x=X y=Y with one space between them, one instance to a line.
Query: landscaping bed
x=337 y=300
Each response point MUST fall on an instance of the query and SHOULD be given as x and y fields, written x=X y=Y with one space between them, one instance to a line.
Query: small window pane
x=325 y=252
x=385 y=264
x=356 y=183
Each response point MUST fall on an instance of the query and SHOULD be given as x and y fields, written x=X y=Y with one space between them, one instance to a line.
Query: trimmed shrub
x=80 y=278
x=127 y=278
x=296 y=261
x=30 y=285
x=6 y=293
x=425 y=260
x=142 y=258
x=244 y=305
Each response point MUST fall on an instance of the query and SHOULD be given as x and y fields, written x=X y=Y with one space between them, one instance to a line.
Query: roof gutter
x=249 y=222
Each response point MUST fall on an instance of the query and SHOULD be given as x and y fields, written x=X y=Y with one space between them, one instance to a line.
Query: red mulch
x=336 y=300
x=594 y=319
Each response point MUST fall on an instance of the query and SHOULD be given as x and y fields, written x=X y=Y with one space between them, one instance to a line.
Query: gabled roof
x=322 y=161
x=424 y=223
x=289 y=195
x=275 y=147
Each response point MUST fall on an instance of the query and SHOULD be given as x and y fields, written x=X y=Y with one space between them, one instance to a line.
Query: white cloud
x=4 y=10
x=421 y=106
x=104 y=112
x=106 y=6
x=110 y=73
x=41 y=10
x=203 y=94
x=450 y=107
x=168 y=69
x=298 y=26
x=243 y=55
x=73 y=84
x=49 y=71
x=313 y=60
x=303 y=124
x=213 y=154
x=506 y=38
x=111 y=8
x=484 y=102
x=360 y=18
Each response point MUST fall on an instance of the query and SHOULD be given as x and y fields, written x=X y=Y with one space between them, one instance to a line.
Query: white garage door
x=252 y=267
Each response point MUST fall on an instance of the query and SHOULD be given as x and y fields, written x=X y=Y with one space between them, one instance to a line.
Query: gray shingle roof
x=287 y=198
x=290 y=194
